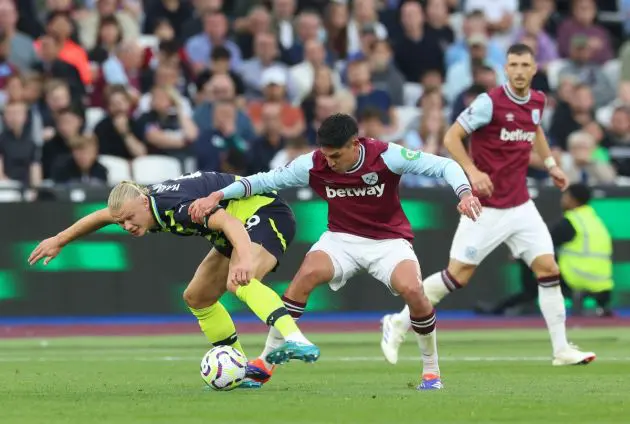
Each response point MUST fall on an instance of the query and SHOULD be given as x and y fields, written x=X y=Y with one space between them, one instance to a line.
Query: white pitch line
x=323 y=359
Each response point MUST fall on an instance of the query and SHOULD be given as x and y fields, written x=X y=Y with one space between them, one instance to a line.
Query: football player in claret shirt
x=257 y=230
x=504 y=127
x=367 y=228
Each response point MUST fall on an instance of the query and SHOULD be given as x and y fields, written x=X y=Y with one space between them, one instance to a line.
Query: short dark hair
x=219 y=53
x=169 y=47
x=580 y=192
x=476 y=90
x=337 y=130
x=520 y=49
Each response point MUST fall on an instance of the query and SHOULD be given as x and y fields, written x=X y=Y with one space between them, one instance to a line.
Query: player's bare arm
x=541 y=147
x=454 y=143
x=241 y=260
x=50 y=248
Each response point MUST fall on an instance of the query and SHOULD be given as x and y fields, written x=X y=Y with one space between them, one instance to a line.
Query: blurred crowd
x=96 y=91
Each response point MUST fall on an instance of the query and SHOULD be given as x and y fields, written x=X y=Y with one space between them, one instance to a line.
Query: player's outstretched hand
x=470 y=206
x=202 y=207
x=240 y=272
x=481 y=183
x=559 y=178
x=47 y=250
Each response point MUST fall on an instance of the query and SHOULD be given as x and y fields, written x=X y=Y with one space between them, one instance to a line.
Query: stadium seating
x=118 y=169
x=155 y=168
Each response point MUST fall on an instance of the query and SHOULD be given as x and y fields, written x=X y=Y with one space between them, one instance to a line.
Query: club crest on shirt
x=370 y=178
x=536 y=116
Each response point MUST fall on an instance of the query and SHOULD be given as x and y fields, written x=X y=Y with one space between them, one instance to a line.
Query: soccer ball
x=223 y=368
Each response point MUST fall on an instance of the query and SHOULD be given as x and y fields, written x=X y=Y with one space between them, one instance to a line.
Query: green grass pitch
x=490 y=376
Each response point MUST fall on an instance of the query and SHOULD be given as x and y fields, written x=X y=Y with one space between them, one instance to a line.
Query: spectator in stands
x=293 y=148
x=177 y=12
x=485 y=77
x=308 y=27
x=572 y=115
x=372 y=123
x=582 y=22
x=258 y=21
x=324 y=107
x=359 y=79
x=336 y=24
x=57 y=98
x=385 y=74
x=283 y=12
x=500 y=16
x=220 y=64
x=125 y=68
x=81 y=166
x=271 y=140
x=619 y=139
x=474 y=23
x=107 y=41
x=429 y=135
x=540 y=80
x=275 y=83
x=68 y=125
x=61 y=27
x=89 y=24
x=166 y=75
x=19 y=155
x=551 y=17
x=533 y=26
x=437 y=23
x=431 y=98
x=459 y=76
x=55 y=68
x=581 y=65
x=163 y=131
x=363 y=13
x=215 y=29
x=302 y=75
x=21 y=52
x=265 y=56
x=15 y=93
x=221 y=89
x=169 y=54
x=323 y=85
x=579 y=164
x=7 y=69
x=116 y=133
x=417 y=42
x=221 y=148
x=367 y=37
x=194 y=25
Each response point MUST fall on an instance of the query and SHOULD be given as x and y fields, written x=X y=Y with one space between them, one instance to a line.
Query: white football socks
x=428 y=348
x=553 y=310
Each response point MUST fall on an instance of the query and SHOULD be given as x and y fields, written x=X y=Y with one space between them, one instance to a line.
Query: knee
x=198 y=300
x=411 y=290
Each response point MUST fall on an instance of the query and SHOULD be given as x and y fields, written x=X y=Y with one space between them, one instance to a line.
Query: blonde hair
x=124 y=191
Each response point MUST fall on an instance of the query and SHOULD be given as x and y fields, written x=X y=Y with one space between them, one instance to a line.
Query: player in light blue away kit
x=367 y=228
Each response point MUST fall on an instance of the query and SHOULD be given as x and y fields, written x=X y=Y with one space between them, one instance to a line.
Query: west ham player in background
x=504 y=125
x=367 y=228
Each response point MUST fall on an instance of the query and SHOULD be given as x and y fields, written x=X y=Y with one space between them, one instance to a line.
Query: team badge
x=370 y=178
x=536 y=116
x=471 y=253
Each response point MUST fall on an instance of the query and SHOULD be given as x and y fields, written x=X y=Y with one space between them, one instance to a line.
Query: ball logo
x=410 y=154
x=370 y=178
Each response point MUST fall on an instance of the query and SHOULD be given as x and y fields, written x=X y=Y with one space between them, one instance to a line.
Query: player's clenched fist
x=202 y=207
x=481 y=183
x=470 y=206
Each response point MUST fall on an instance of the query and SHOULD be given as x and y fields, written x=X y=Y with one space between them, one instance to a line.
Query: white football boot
x=392 y=338
x=572 y=356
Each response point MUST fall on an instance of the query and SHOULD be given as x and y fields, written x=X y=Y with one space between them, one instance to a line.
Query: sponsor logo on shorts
x=376 y=190
x=517 y=135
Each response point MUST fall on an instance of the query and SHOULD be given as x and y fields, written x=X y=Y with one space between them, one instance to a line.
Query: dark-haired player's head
x=520 y=66
x=338 y=141
x=575 y=196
